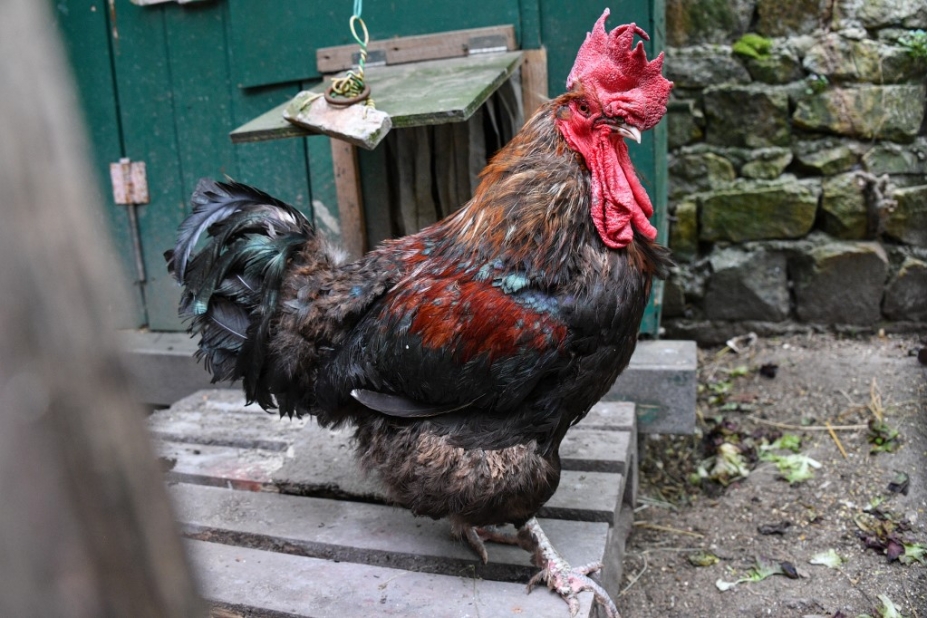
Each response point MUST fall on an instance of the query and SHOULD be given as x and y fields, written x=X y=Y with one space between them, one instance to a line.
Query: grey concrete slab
x=260 y=583
x=161 y=366
x=611 y=415
x=309 y=513
x=213 y=438
x=584 y=496
x=585 y=448
x=595 y=450
x=370 y=534
x=661 y=381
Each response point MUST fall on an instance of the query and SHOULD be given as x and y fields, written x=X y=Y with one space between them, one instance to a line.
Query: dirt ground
x=818 y=380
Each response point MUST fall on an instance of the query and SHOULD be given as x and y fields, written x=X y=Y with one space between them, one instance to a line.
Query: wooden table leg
x=350 y=201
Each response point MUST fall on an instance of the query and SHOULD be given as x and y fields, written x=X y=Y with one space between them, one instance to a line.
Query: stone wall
x=798 y=166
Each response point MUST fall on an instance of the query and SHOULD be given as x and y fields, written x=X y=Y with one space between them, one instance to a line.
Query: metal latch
x=130 y=188
x=130 y=182
x=488 y=44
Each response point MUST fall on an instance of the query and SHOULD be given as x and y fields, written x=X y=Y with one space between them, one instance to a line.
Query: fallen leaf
x=900 y=484
x=724 y=586
x=888 y=609
x=830 y=558
x=913 y=552
x=702 y=559
x=883 y=437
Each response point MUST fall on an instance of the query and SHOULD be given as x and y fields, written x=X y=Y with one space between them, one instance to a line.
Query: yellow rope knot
x=351 y=87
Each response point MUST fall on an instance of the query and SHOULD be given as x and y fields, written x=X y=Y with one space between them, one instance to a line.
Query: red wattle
x=619 y=203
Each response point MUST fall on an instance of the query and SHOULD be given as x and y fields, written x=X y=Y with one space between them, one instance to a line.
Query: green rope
x=352 y=83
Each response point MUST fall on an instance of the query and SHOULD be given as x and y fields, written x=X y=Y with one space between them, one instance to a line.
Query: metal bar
x=141 y=275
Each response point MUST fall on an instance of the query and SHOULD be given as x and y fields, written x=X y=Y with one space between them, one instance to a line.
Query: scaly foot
x=560 y=577
x=475 y=537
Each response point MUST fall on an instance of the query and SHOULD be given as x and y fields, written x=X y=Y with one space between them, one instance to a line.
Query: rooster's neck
x=532 y=206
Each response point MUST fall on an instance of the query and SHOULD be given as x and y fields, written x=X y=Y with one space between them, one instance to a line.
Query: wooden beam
x=415 y=48
x=350 y=202
x=534 y=80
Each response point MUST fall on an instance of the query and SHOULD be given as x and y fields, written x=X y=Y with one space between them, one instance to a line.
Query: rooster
x=461 y=354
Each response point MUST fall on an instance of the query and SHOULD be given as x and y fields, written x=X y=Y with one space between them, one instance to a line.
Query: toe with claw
x=475 y=536
x=560 y=577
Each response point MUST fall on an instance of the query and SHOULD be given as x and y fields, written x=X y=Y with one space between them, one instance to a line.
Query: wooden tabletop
x=413 y=94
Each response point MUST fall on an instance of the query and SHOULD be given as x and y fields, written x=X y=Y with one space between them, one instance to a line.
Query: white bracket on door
x=130 y=182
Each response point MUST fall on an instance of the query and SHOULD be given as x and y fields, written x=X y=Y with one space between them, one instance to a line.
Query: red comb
x=609 y=62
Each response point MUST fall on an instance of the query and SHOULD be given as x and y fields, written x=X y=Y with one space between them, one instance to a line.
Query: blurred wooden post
x=85 y=524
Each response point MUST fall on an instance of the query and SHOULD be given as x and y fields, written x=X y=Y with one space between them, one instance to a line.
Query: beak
x=629 y=131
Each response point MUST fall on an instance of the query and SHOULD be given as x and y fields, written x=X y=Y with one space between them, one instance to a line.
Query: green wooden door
x=156 y=86
x=166 y=83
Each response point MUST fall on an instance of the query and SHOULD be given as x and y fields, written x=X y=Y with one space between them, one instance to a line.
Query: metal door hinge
x=130 y=182
x=487 y=44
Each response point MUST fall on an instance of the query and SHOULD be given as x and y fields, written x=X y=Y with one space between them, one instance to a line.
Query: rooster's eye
x=584 y=109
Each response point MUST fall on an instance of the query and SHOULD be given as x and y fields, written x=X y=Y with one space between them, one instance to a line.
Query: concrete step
x=660 y=379
x=280 y=521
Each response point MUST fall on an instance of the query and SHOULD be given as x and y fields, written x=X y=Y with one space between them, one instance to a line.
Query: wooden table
x=279 y=521
x=413 y=94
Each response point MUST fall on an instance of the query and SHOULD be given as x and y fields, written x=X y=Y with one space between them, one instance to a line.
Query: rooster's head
x=614 y=93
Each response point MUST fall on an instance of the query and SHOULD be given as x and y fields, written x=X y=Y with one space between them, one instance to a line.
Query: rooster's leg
x=476 y=535
x=559 y=576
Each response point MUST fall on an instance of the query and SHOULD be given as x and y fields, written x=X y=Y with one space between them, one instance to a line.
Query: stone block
x=692 y=173
x=840 y=283
x=844 y=213
x=684 y=121
x=683 y=238
x=904 y=13
x=767 y=163
x=780 y=66
x=826 y=161
x=747 y=285
x=739 y=157
x=703 y=65
x=748 y=116
x=845 y=59
x=674 y=299
x=867 y=112
x=758 y=210
x=690 y=22
x=889 y=158
x=788 y=17
x=907 y=222
x=906 y=293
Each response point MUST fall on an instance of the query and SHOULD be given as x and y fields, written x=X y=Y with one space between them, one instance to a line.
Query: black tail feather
x=232 y=284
